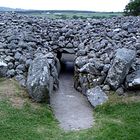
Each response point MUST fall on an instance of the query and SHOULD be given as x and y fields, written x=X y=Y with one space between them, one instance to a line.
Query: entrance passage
x=70 y=107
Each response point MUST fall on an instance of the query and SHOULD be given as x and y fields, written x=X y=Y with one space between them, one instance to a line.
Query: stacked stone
x=110 y=57
x=107 y=50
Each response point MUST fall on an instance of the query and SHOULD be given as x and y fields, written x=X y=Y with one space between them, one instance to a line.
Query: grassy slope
x=21 y=119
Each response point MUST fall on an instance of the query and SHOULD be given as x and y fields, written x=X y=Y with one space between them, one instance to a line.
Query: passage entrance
x=70 y=107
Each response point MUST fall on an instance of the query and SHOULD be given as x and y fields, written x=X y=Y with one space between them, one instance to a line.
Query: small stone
x=107 y=60
x=106 y=67
x=81 y=53
x=10 y=73
x=96 y=96
x=106 y=88
x=21 y=67
x=81 y=61
x=133 y=80
x=120 y=91
x=17 y=55
x=9 y=59
x=117 y=30
x=10 y=65
x=28 y=62
x=21 y=79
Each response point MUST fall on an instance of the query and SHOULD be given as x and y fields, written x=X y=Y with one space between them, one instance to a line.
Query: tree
x=132 y=8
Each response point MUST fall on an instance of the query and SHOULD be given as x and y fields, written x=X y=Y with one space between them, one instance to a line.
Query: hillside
x=10 y=9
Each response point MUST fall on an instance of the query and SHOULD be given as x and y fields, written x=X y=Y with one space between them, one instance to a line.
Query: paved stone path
x=70 y=107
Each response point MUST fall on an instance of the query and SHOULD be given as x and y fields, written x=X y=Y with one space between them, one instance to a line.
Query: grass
x=118 y=119
x=71 y=15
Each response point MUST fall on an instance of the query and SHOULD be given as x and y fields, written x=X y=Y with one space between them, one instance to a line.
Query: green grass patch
x=74 y=15
x=118 y=119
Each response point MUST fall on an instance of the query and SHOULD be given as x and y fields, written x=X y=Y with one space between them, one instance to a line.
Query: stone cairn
x=107 y=53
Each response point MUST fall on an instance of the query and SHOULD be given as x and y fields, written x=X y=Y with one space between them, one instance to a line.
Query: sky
x=89 y=5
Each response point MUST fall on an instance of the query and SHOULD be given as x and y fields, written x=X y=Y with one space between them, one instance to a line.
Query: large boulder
x=96 y=96
x=38 y=80
x=120 y=67
x=3 y=68
x=133 y=80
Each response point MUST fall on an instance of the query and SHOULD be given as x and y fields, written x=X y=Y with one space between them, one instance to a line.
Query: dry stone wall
x=110 y=54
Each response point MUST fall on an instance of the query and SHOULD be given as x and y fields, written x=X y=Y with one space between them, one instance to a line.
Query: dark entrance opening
x=66 y=75
x=67 y=63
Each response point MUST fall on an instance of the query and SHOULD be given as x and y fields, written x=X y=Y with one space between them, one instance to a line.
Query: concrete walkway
x=70 y=107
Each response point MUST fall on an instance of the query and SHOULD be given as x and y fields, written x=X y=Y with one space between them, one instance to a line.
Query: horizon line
x=58 y=10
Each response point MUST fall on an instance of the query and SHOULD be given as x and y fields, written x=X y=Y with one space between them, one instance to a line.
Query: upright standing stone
x=38 y=79
x=120 y=67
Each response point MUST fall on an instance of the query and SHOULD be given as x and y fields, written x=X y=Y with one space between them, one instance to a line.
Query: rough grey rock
x=10 y=73
x=81 y=52
x=28 y=63
x=89 y=68
x=17 y=55
x=106 y=88
x=3 y=68
x=117 y=30
x=120 y=91
x=9 y=59
x=96 y=96
x=22 y=59
x=38 y=79
x=81 y=61
x=58 y=66
x=10 y=65
x=97 y=64
x=21 y=67
x=133 y=80
x=54 y=74
x=106 y=67
x=69 y=50
x=120 y=67
x=21 y=79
